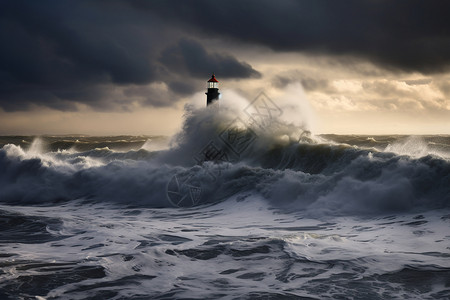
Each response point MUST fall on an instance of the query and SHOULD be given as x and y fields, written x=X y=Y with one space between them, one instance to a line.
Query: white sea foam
x=415 y=146
x=236 y=248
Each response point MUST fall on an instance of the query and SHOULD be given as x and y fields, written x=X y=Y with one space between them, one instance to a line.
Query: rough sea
x=229 y=208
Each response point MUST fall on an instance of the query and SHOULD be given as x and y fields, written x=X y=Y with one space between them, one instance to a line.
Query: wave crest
x=280 y=163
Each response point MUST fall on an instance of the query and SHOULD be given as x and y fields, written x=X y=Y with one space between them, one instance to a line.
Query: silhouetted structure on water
x=212 y=95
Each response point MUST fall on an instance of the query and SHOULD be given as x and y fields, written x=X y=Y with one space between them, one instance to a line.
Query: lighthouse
x=212 y=95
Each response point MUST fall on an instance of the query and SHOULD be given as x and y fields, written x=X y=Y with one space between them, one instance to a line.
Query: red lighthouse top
x=213 y=79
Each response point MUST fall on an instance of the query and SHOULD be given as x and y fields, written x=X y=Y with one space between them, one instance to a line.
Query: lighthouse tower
x=213 y=90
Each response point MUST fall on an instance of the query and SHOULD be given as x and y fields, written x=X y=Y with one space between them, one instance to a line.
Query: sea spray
x=308 y=175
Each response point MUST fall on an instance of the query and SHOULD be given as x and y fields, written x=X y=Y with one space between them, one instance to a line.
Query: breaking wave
x=221 y=155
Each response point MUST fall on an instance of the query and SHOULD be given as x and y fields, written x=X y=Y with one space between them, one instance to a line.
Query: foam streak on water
x=233 y=249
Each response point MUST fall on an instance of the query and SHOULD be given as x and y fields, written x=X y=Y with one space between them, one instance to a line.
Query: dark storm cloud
x=47 y=43
x=418 y=81
x=444 y=86
x=412 y=35
x=57 y=53
x=308 y=83
x=53 y=53
x=191 y=56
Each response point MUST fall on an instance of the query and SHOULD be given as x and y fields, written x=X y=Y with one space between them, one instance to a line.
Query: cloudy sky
x=129 y=67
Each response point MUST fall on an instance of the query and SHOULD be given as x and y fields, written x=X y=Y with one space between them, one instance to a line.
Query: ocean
x=228 y=208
